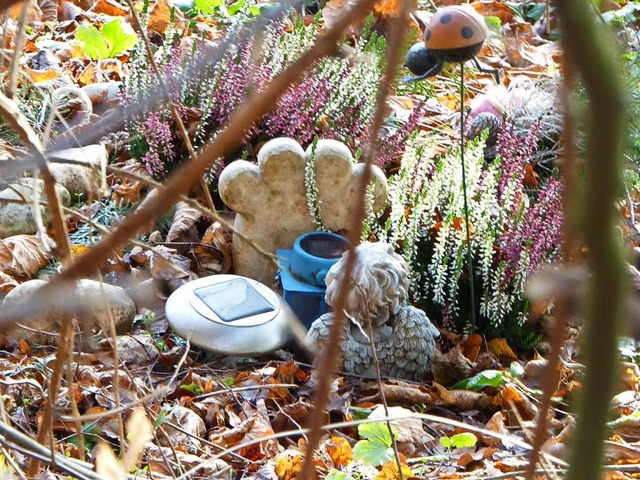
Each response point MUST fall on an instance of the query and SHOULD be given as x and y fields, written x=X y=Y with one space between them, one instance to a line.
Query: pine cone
x=486 y=121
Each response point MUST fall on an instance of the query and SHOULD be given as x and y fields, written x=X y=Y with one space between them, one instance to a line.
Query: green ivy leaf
x=119 y=36
x=93 y=45
x=488 y=378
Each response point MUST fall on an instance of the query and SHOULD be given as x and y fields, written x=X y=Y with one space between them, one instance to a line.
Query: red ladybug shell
x=454 y=27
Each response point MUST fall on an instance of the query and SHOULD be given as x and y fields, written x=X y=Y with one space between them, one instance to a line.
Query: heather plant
x=514 y=230
x=334 y=99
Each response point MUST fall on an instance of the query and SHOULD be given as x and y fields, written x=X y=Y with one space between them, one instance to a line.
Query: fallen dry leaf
x=166 y=264
x=340 y=451
x=7 y=283
x=21 y=256
x=390 y=471
x=509 y=398
x=464 y=399
x=38 y=76
x=501 y=349
x=402 y=394
x=110 y=7
x=495 y=424
x=183 y=226
x=470 y=346
x=221 y=238
x=289 y=465
x=34 y=14
x=160 y=16
x=451 y=367
x=468 y=457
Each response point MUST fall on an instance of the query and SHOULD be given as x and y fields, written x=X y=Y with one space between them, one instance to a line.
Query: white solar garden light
x=231 y=315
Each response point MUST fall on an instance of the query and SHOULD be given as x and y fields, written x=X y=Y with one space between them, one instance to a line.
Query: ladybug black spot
x=427 y=35
x=446 y=18
x=466 y=32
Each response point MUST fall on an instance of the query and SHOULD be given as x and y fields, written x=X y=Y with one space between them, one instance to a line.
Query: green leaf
x=235 y=7
x=446 y=442
x=372 y=453
x=464 y=440
x=488 y=378
x=119 y=36
x=112 y=39
x=376 y=432
x=358 y=413
x=208 y=7
x=534 y=11
x=493 y=23
x=192 y=387
x=93 y=44
x=375 y=449
x=162 y=417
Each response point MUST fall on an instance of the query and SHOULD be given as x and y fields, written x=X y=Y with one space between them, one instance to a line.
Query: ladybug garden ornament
x=454 y=34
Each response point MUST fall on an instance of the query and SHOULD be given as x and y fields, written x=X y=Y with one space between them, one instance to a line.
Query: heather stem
x=466 y=205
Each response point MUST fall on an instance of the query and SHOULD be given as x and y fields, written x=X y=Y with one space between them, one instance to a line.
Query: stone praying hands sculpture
x=404 y=337
x=270 y=198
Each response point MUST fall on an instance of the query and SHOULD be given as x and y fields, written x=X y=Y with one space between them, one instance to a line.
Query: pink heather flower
x=160 y=145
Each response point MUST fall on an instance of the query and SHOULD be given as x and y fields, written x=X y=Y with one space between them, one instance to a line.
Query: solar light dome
x=229 y=314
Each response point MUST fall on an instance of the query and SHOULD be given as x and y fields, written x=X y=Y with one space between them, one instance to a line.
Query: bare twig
x=376 y=364
x=17 y=53
x=552 y=374
x=330 y=355
x=602 y=80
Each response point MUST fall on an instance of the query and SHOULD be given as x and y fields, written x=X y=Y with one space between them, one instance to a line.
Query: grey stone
x=82 y=181
x=95 y=305
x=17 y=218
x=137 y=349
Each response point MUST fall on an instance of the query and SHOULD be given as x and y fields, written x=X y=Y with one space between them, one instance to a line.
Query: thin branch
x=602 y=80
x=376 y=364
x=330 y=355
x=17 y=53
